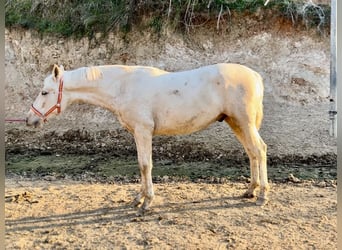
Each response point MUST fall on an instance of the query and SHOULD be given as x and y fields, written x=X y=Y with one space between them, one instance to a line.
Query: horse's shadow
x=124 y=213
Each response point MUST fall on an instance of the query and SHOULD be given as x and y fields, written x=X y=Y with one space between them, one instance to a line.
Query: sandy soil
x=76 y=215
x=81 y=215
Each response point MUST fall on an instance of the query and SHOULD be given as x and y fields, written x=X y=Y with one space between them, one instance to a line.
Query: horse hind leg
x=255 y=148
x=258 y=153
x=255 y=181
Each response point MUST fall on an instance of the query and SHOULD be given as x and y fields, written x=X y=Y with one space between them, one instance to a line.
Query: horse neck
x=96 y=92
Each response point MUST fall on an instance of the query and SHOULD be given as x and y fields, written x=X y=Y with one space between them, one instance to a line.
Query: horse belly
x=185 y=122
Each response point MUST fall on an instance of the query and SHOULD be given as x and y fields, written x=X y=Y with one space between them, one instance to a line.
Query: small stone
x=293 y=179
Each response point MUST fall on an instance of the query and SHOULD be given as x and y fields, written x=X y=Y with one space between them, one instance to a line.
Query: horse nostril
x=36 y=123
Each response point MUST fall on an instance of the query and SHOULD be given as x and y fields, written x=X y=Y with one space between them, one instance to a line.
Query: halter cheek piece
x=56 y=106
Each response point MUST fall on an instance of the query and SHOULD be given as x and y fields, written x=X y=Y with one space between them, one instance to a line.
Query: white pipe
x=332 y=97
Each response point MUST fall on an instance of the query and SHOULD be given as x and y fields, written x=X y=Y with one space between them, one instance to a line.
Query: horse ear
x=57 y=72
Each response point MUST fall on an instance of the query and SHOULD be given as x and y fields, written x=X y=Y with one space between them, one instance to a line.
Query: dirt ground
x=74 y=215
x=48 y=209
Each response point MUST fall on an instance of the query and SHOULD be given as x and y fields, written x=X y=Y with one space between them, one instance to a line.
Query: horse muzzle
x=33 y=121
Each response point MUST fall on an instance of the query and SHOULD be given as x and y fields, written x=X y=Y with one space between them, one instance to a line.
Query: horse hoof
x=261 y=201
x=143 y=212
x=136 y=203
x=248 y=195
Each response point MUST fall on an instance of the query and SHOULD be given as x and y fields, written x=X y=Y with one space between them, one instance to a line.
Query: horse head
x=49 y=102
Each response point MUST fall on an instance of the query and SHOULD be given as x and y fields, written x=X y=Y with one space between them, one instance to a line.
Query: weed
x=85 y=17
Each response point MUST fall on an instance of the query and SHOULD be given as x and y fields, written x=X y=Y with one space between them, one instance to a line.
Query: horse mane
x=93 y=73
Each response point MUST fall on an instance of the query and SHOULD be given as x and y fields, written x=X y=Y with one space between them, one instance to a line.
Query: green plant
x=85 y=17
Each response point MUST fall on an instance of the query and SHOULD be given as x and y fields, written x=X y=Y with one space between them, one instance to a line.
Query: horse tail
x=259 y=116
x=260 y=107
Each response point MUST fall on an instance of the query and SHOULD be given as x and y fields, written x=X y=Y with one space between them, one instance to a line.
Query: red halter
x=56 y=106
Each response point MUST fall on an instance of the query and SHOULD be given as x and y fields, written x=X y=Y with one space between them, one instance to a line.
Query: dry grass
x=84 y=18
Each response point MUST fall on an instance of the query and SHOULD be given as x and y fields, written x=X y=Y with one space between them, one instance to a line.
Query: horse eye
x=44 y=92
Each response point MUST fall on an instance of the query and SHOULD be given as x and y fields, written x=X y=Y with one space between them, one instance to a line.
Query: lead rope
x=15 y=120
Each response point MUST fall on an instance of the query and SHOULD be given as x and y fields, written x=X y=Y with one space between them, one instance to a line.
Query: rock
x=293 y=179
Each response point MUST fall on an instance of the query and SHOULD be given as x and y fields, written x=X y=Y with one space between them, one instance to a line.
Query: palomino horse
x=149 y=101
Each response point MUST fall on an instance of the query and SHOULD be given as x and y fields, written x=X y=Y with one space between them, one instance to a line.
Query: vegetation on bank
x=86 y=17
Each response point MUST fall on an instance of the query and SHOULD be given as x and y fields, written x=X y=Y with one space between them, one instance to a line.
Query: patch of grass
x=85 y=17
x=156 y=24
x=313 y=15
x=107 y=166
x=77 y=18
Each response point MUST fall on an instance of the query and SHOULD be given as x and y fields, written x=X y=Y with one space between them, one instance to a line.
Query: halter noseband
x=56 y=106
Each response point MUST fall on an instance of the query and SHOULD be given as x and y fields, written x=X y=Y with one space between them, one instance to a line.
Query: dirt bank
x=293 y=62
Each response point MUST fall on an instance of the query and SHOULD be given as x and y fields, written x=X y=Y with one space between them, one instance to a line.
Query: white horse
x=149 y=101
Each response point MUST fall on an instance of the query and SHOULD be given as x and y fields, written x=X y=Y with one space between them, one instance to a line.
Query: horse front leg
x=143 y=140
